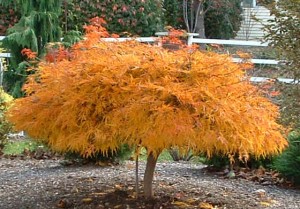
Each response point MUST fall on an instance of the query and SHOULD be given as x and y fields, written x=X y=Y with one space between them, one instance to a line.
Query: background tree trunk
x=200 y=26
x=199 y=22
x=148 y=177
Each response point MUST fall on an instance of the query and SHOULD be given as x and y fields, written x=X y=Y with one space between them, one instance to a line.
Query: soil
x=39 y=184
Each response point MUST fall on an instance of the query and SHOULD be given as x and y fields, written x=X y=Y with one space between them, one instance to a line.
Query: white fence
x=255 y=61
x=192 y=40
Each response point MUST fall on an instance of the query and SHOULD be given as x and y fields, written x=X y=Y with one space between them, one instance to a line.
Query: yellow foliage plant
x=102 y=94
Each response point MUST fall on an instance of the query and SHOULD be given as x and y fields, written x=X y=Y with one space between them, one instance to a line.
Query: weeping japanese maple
x=103 y=94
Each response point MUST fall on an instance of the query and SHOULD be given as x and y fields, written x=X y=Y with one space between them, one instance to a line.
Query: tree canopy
x=283 y=33
x=99 y=95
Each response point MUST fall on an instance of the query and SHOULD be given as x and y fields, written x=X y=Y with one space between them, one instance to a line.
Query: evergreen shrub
x=288 y=163
x=220 y=161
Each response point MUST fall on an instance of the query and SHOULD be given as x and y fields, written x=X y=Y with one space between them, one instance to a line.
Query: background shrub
x=136 y=17
x=18 y=147
x=123 y=153
x=5 y=126
x=288 y=164
x=221 y=161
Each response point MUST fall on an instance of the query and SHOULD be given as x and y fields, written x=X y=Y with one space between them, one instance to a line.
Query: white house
x=250 y=28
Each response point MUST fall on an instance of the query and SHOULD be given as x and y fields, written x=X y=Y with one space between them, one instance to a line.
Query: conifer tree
x=39 y=24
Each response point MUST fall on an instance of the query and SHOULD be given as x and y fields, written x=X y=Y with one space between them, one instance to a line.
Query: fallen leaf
x=181 y=204
x=205 y=205
x=87 y=200
x=63 y=203
x=191 y=200
x=118 y=186
x=265 y=204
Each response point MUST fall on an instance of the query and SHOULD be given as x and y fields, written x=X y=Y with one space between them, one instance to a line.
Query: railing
x=192 y=40
x=255 y=61
x=238 y=43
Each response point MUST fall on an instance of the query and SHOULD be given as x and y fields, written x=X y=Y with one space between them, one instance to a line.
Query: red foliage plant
x=104 y=94
x=28 y=53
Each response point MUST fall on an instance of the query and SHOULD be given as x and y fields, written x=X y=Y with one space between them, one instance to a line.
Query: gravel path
x=39 y=184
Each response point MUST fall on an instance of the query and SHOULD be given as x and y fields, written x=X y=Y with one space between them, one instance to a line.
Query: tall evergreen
x=39 y=25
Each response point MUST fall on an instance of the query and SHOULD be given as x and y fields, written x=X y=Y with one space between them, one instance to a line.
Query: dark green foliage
x=71 y=37
x=38 y=25
x=217 y=161
x=221 y=161
x=173 y=15
x=123 y=153
x=136 y=17
x=223 y=20
x=288 y=164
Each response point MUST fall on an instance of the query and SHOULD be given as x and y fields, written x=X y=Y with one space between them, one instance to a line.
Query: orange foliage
x=106 y=94
x=28 y=53
x=174 y=36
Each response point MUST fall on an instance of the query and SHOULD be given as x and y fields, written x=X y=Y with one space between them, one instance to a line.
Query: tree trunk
x=148 y=177
x=199 y=26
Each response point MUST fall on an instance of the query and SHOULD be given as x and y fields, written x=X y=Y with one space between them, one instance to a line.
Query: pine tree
x=288 y=164
x=39 y=25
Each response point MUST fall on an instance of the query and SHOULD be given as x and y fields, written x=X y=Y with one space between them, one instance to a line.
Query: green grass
x=163 y=157
x=18 y=147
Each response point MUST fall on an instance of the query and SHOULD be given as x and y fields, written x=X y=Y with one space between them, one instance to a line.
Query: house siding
x=252 y=29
